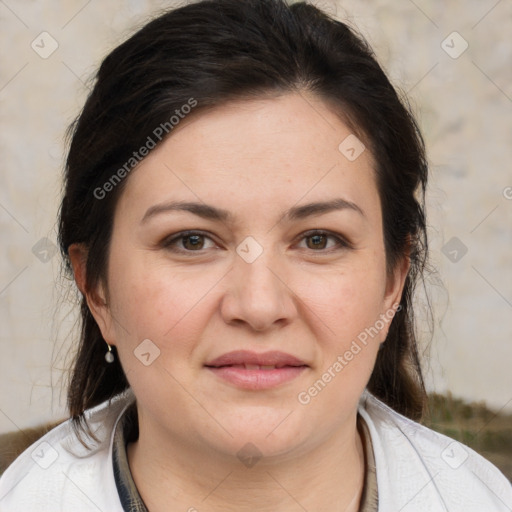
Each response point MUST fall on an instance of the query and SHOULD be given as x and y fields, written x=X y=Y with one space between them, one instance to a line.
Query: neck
x=176 y=476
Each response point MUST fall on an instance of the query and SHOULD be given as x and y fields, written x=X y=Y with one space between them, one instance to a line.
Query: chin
x=267 y=432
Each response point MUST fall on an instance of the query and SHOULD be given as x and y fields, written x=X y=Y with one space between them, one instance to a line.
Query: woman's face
x=247 y=284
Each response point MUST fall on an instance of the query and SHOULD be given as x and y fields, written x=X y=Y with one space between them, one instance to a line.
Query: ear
x=394 y=287
x=95 y=298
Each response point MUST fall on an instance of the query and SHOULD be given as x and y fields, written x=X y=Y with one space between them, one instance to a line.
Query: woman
x=243 y=216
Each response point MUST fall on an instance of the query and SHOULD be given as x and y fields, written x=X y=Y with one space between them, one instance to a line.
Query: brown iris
x=316 y=241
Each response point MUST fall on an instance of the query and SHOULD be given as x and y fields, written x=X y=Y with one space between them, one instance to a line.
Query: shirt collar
x=127 y=431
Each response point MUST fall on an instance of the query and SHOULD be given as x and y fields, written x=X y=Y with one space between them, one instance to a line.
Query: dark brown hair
x=214 y=52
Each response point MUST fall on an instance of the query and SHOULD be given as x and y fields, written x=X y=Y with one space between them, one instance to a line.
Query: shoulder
x=58 y=472
x=419 y=469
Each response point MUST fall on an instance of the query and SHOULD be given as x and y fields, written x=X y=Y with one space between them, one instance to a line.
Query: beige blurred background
x=463 y=99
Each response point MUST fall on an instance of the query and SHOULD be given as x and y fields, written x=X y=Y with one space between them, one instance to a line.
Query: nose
x=258 y=296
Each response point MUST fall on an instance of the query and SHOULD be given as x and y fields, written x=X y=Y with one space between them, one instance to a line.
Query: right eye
x=187 y=242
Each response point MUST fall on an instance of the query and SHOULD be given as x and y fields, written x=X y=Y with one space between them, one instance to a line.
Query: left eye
x=320 y=240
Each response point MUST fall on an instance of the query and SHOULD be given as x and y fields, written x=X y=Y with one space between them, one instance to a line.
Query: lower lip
x=257 y=379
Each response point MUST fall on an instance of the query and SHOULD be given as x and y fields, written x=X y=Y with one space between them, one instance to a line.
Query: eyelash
x=170 y=243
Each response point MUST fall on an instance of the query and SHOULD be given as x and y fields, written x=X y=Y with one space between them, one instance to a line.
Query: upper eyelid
x=326 y=232
x=183 y=234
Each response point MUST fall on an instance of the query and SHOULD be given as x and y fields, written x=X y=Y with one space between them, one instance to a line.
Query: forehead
x=276 y=150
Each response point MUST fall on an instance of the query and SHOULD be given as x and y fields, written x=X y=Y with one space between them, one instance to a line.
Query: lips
x=255 y=371
x=254 y=360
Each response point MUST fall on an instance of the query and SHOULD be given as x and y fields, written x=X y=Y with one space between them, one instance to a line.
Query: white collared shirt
x=418 y=470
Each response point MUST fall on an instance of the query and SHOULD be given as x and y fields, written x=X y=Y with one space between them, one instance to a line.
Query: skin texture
x=255 y=159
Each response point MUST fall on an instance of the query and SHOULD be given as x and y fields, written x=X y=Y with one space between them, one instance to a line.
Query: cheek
x=160 y=303
x=164 y=307
x=342 y=312
x=345 y=302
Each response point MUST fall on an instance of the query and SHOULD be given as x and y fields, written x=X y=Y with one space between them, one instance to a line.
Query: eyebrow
x=212 y=213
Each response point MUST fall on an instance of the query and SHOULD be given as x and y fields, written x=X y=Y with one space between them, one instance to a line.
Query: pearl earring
x=109 y=357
